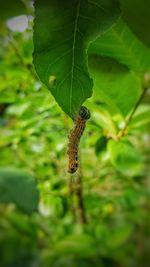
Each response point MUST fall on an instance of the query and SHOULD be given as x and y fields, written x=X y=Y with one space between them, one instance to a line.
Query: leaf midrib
x=73 y=50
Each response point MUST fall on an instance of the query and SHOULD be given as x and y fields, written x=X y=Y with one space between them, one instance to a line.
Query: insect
x=74 y=138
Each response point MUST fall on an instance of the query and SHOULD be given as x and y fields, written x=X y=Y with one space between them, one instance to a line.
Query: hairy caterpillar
x=74 y=138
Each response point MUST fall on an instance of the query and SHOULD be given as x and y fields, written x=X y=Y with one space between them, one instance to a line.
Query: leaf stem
x=124 y=130
x=27 y=67
x=76 y=192
x=79 y=198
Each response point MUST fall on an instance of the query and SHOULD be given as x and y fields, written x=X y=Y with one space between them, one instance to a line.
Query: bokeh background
x=115 y=188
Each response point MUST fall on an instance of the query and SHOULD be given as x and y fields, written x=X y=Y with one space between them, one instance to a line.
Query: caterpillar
x=74 y=138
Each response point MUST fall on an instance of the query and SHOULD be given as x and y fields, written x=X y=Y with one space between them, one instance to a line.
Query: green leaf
x=114 y=84
x=79 y=245
x=136 y=15
x=119 y=236
x=7 y=96
x=124 y=157
x=11 y=9
x=62 y=33
x=121 y=44
x=18 y=187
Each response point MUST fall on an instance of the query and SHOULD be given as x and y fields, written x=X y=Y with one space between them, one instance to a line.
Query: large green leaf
x=18 y=187
x=62 y=33
x=121 y=44
x=114 y=84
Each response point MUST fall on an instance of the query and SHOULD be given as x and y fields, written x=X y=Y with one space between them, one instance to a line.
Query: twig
x=79 y=199
x=71 y=197
x=27 y=67
x=123 y=131
x=76 y=194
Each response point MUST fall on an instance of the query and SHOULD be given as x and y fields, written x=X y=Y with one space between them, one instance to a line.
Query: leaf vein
x=73 y=51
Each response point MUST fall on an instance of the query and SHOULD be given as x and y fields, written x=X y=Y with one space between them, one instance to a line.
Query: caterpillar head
x=73 y=165
x=84 y=113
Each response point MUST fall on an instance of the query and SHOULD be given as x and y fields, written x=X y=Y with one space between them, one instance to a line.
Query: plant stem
x=123 y=131
x=27 y=67
x=137 y=105
x=79 y=199
x=71 y=197
x=76 y=193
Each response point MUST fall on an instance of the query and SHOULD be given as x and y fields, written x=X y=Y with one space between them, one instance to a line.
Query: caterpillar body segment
x=74 y=138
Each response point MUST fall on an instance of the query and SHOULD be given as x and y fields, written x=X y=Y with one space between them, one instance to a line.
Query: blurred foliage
x=10 y=9
x=115 y=169
x=18 y=187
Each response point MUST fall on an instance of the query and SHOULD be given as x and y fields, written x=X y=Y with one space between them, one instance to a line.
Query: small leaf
x=62 y=33
x=18 y=187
